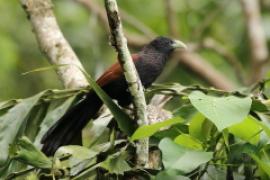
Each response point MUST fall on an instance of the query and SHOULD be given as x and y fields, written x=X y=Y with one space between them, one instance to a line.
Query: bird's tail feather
x=66 y=129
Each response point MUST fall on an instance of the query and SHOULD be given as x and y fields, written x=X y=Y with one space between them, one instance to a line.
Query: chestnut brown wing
x=113 y=73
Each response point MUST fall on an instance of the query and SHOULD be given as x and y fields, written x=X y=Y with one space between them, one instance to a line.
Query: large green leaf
x=188 y=141
x=200 y=127
x=180 y=158
x=170 y=175
x=248 y=130
x=222 y=111
x=258 y=105
x=263 y=164
x=148 y=130
x=27 y=153
x=9 y=103
x=55 y=111
x=79 y=158
x=116 y=163
x=34 y=120
x=12 y=121
x=195 y=126
x=89 y=173
x=97 y=131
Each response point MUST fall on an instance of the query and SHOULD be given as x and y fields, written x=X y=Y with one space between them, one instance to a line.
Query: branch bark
x=134 y=83
x=256 y=35
x=53 y=44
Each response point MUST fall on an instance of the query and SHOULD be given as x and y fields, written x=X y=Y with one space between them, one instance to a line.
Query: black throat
x=150 y=65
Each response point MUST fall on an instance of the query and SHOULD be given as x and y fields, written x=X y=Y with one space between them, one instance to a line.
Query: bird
x=149 y=63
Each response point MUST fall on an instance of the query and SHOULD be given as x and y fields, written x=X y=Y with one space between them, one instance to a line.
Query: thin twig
x=119 y=41
x=52 y=42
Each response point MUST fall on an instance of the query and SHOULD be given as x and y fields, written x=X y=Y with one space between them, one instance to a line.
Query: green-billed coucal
x=149 y=63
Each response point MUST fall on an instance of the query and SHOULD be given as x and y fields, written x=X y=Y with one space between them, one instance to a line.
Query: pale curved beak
x=179 y=45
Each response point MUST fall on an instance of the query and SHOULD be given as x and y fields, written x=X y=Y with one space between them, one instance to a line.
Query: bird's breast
x=149 y=70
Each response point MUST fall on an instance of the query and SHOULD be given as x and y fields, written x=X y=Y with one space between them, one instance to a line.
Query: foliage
x=192 y=146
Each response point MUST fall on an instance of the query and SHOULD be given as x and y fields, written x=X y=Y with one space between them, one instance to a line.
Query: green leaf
x=265 y=127
x=55 y=111
x=225 y=135
x=32 y=176
x=222 y=111
x=170 y=175
x=172 y=132
x=217 y=173
x=34 y=120
x=12 y=121
x=78 y=153
x=238 y=152
x=116 y=163
x=9 y=103
x=248 y=130
x=80 y=158
x=257 y=105
x=180 y=158
x=29 y=154
x=89 y=173
x=195 y=127
x=125 y=123
x=97 y=131
x=188 y=141
x=148 y=130
x=106 y=146
x=200 y=127
x=263 y=164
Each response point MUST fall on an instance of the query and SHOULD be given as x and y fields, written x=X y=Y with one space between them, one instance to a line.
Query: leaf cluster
x=212 y=134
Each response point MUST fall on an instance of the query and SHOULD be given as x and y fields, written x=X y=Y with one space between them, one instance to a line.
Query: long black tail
x=66 y=129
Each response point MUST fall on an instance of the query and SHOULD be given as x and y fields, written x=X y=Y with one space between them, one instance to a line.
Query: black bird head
x=166 y=45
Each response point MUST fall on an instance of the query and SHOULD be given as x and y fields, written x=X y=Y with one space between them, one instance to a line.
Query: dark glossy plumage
x=149 y=63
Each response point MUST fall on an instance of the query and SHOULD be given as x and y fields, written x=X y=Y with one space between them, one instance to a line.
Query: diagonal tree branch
x=134 y=83
x=53 y=44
